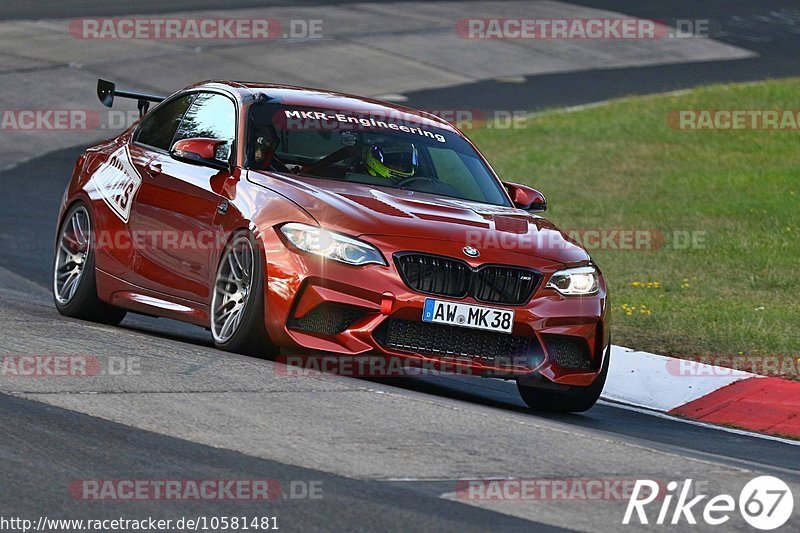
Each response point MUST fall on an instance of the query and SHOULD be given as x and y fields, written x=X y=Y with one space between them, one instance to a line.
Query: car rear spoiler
x=106 y=91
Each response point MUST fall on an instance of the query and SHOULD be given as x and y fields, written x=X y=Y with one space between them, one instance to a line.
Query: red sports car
x=313 y=222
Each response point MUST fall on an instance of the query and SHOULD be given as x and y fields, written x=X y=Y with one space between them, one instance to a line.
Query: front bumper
x=313 y=305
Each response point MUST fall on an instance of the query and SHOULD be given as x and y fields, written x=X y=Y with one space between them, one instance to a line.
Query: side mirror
x=199 y=151
x=526 y=198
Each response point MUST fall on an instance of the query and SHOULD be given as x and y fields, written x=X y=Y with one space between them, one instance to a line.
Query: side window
x=158 y=129
x=214 y=116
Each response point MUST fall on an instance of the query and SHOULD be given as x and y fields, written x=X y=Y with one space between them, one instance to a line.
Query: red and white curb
x=704 y=393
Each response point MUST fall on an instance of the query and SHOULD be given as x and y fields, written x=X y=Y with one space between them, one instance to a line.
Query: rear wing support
x=106 y=91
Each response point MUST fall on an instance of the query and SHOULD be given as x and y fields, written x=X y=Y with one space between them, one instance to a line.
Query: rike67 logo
x=765 y=503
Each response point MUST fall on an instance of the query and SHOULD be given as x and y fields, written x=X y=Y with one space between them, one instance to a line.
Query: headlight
x=331 y=245
x=575 y=281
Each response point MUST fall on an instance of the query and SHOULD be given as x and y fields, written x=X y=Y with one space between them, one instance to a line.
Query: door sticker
x=117 y=181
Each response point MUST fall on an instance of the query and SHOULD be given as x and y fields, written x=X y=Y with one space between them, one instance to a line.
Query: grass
x=621 y=166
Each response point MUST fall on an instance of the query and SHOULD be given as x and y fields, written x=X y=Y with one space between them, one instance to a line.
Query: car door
x=152 y=138
x=181 y=236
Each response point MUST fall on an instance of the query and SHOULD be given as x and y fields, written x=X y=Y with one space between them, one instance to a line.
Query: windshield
x=389 y=151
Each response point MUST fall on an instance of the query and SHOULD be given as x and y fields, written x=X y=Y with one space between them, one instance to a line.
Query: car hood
x=359 y=210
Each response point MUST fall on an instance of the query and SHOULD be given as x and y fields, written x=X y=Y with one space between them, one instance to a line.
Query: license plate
x=468 y=315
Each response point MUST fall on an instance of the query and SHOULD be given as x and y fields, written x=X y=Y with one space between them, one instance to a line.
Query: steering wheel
x=330 y=159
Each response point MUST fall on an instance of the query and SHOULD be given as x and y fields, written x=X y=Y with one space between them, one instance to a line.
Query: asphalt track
x=768 y=28
x=387 y=453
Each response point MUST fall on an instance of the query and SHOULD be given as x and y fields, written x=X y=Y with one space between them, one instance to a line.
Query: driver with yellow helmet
x=396 y=161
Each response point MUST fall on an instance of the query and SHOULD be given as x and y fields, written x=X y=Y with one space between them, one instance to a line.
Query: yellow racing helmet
x=396 y=162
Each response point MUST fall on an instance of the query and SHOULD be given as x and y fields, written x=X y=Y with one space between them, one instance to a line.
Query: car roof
x=324 y=99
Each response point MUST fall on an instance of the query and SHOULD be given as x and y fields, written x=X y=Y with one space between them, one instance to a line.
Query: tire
x=74 y=275
x=571 y=400
x=241 y=267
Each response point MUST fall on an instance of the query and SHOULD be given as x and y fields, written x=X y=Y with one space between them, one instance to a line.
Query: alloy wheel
x=232 y=288
x=73 y=249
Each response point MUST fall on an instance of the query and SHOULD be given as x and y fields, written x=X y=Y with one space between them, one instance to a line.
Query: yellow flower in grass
x=646 y=284
x=631 y=309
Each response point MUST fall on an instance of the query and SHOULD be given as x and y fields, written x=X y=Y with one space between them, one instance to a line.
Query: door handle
x=153 y=168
